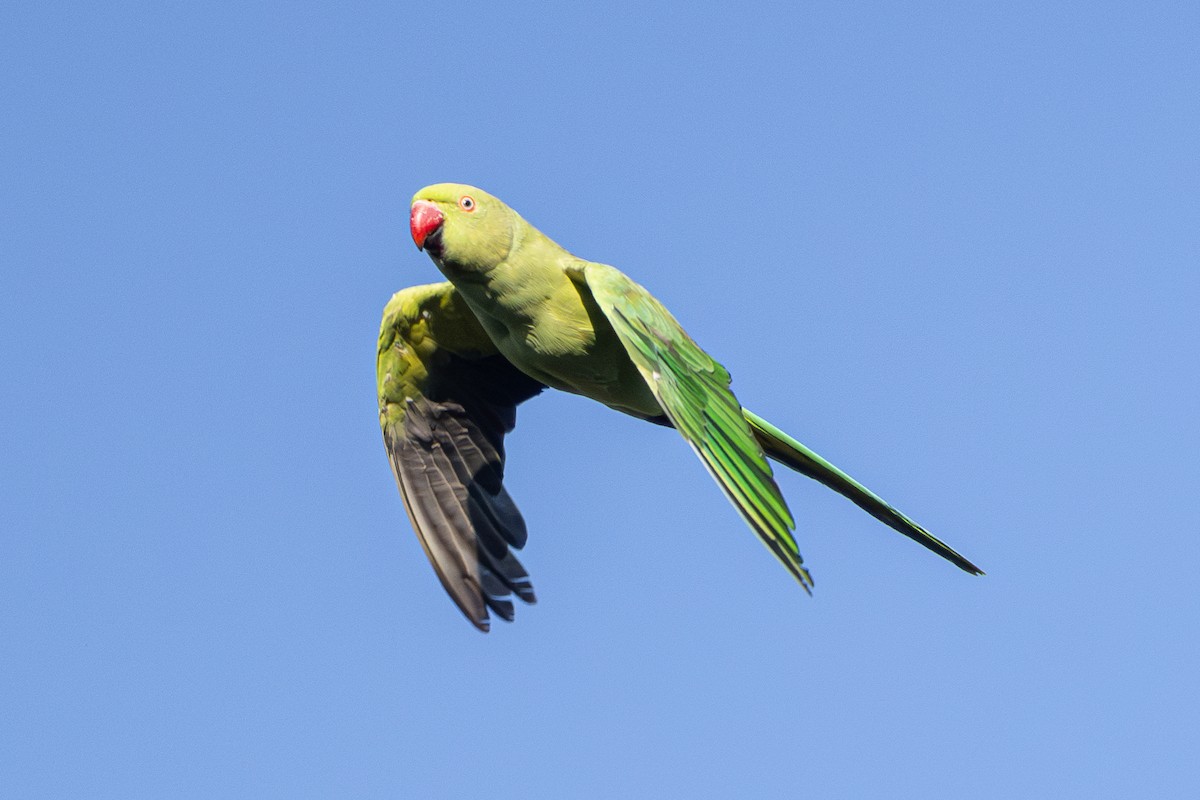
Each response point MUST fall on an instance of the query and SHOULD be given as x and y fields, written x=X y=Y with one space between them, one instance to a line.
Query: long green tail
x=786 y=450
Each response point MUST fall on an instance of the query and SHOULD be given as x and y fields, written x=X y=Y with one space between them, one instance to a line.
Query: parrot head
x=461 y=226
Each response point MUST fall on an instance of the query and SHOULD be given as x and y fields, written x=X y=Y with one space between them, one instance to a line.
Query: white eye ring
x=466 y=203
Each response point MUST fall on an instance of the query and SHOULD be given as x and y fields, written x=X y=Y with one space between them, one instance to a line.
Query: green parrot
x=520 y=314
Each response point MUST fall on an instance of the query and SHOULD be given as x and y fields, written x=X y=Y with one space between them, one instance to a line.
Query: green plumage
x=521 y=313
x=693 y=391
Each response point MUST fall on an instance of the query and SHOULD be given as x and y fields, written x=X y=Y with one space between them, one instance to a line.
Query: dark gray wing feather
x=444 y=415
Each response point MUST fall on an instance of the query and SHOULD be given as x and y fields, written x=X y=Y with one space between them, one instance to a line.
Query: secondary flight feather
x=518 y=314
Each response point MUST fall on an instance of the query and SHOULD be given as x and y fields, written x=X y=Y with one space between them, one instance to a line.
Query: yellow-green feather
x=417 y=322
x=693 y=390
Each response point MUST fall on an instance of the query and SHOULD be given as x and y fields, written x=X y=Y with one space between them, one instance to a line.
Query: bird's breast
x=553 y=331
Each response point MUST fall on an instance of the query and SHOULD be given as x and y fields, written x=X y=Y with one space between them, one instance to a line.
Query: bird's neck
x=529 y=291
x=513 y=288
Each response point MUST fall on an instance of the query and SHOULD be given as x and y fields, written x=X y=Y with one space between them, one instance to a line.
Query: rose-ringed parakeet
x=520 y=314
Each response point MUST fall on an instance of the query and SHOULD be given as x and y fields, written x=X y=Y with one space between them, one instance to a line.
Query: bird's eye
x=466 y=203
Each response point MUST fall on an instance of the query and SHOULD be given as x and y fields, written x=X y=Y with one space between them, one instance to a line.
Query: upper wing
x=693 y=390
x=446 y=399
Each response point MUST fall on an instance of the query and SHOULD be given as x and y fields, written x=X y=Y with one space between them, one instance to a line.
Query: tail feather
x=787 y=451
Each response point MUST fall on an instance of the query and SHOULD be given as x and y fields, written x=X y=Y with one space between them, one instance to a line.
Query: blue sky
x=951 y=246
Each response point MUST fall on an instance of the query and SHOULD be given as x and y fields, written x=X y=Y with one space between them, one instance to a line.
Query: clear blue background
x=954 y=247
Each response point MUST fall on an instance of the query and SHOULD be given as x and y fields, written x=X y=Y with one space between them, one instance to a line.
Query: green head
x=462 y=226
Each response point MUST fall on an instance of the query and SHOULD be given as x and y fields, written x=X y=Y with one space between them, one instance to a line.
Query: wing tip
x=805 y=579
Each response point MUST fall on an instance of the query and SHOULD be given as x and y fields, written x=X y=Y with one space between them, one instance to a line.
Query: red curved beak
x=424 y=220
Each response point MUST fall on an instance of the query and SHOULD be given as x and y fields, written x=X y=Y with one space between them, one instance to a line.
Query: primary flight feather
x=520 y=314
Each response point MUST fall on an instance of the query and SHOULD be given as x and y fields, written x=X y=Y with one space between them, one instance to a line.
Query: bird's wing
x=446 y=400
x=693 y=390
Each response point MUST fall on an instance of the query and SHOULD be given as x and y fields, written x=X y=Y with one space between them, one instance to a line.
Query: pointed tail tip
x=966 y=566
x=947 y=552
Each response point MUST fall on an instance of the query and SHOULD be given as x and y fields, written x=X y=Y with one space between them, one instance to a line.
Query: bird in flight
x=518 y=314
